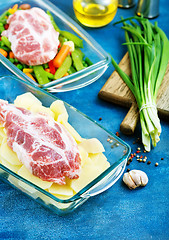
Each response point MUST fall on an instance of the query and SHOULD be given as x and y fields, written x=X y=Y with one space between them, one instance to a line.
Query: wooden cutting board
x=116 y=91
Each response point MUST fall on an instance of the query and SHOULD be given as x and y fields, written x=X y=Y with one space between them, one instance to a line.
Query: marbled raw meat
x=43 y=145
x=34 y=40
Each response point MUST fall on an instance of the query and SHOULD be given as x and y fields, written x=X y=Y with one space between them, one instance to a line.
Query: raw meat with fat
x=43 y=145
x=34 y=40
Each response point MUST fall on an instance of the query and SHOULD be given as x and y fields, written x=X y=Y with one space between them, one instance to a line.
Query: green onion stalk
x=148 y=49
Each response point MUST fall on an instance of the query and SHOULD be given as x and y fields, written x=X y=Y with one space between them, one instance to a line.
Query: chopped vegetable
x=11 y=55
x=6 y=41
x=27 y=70
x=3 y=52
x=40 y=74
x=51 y=67
x=62 y=70
x=29 y=75
x=13 y=9
x=52 y=21
x=77 y=60
x=60 y=57
x=148 y=49
x=71 y=37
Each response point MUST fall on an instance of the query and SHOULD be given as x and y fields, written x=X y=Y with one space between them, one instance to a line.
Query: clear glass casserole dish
x=117 y=152
x=91 y=49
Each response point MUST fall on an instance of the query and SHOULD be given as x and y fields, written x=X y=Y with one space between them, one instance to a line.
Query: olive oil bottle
x=95 y=13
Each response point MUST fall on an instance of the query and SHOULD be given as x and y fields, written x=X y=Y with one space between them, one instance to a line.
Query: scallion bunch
x=148 y=49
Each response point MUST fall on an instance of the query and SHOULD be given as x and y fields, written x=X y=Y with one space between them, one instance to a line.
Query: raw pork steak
x=41 y=144
x=33 y=38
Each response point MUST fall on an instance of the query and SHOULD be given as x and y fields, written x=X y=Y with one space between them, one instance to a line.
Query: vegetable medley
x=68 y=60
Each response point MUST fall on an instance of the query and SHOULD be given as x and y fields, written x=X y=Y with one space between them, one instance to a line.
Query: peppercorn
x=149 y=162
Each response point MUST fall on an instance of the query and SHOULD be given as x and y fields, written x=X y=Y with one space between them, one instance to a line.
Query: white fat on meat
x=44 y=146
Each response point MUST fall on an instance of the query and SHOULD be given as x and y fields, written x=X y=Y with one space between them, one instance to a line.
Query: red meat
x=33 y=38
x=41 y=144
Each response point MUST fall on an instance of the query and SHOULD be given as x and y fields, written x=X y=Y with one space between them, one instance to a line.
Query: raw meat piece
x=33 y=38
x=41 y=144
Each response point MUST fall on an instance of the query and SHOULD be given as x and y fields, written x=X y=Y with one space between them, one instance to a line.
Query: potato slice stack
x=91 y=151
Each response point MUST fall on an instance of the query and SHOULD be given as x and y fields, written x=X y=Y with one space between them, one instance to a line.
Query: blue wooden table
x=118 y=213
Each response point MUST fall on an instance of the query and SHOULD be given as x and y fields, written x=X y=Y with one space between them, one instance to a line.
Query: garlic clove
x=129 y=181
x=135 y=178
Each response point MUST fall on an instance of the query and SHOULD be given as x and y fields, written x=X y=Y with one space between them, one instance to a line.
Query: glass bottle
x=95 y=13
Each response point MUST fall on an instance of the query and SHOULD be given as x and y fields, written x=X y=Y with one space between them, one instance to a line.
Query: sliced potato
x=27 y=100
x=83 y=155
x=24 y=172
x=60 y=190
x=9 y=155
x=88 y=173
x=72 y=131
x=14 y=168
x=41 y=109
x=92 y=145
x=100 y=161
x=59 y=110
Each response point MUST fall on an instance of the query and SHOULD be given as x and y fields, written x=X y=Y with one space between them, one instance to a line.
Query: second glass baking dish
x=116 y=151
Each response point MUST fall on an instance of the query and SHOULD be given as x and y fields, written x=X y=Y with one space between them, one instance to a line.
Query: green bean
x=6 y=41
x=1 y=28
x=40 y=74
x=62 y=70
x=77 y=61
x=70 y=36
x=71 y=70
x=53 y=21
x=49 y=75
x=62 y=39
x=2 y=17
x=88 y=61
x=45 y=65
x=81 y=54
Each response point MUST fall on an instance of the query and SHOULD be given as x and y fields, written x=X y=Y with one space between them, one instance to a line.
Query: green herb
x=148 y=49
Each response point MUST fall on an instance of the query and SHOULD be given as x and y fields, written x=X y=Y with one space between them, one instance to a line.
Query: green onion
x=148 y=49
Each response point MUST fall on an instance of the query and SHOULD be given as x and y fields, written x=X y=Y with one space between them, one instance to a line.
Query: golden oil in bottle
x=95 y=13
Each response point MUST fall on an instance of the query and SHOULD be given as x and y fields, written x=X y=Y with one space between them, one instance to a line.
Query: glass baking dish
x=91 y=49
x=116 y=152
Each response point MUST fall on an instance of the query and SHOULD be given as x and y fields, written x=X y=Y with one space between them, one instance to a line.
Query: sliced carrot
x=11 y=55
x=3 y=52
x=29 y=75
x=66 y=74
x=47 y=70
x=60 y=57
x=15 y=7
